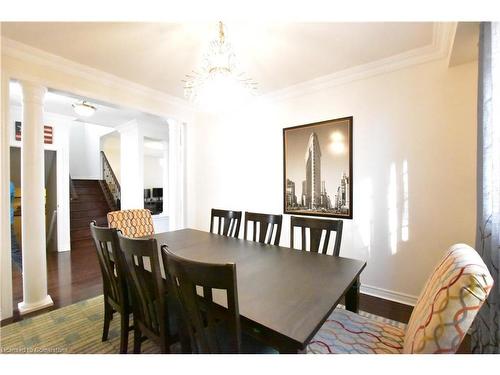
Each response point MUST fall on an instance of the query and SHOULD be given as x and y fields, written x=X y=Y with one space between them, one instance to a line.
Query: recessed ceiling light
x=84 y=109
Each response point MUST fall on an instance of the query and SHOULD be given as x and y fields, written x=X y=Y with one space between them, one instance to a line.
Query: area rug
x=78 y=329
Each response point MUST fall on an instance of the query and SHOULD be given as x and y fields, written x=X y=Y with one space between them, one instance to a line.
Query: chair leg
x=108 y=315
x=124 y=332
x=137 y=339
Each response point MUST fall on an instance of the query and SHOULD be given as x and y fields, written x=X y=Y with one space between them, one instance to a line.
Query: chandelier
x=219 y=83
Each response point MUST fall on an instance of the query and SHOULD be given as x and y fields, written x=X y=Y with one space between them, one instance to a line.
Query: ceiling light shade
x=219 y=83
x=84 y=109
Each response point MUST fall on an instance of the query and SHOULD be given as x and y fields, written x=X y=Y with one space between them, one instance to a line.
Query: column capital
x=32 y=92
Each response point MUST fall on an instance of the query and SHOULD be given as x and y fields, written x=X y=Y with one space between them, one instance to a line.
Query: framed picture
x=317 y=165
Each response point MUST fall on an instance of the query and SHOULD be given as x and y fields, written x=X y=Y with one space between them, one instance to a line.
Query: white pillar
x=63 y=194
x=176 y=175
x=6 y=307
x=131 y=165
x=35 y=295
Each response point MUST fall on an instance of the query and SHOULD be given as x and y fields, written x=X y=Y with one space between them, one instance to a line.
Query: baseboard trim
x=405 y=299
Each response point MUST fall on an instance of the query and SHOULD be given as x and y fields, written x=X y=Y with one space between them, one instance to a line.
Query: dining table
x=284 y=295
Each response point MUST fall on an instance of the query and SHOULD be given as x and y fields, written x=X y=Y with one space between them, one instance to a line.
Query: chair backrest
x=111 y=263
x=142 y=268
x=202 y=316
x=449 y=302
x=265 y=225
x=132 y=223
x=228 y=222
x=316 y=229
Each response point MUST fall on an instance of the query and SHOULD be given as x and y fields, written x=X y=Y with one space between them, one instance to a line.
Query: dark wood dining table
x=284 y=295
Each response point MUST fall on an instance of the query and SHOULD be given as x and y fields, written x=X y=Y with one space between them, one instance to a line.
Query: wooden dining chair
x=316 y=229
x=208 y=298
x=155 y=313
x=113 y=281
x=132 y=223
x=228 y=222
x=266 y=225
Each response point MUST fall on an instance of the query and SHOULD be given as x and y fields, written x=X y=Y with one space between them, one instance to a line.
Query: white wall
x=422 y=115
x=153 y=171
x=85 y=147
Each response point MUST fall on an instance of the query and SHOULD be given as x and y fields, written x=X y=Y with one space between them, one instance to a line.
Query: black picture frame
x=334 y=203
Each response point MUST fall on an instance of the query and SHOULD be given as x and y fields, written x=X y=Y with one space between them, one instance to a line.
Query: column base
x=25 y=308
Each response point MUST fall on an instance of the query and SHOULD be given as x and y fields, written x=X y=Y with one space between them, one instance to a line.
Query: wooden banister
x=112 y=183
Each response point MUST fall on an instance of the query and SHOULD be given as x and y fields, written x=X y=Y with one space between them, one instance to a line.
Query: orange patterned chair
x=444 y=312
x=132 y=223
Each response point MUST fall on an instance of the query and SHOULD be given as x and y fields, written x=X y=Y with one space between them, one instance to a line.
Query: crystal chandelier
x=219 y=83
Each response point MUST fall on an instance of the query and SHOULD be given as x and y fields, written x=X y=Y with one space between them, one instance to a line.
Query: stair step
x=90 y=205
x=90 y=213
x=88 y=190
x=85 y=183
x=85 y=222
x=81 y=243
x=85 y=206
x=97 y=197
x=80 y=234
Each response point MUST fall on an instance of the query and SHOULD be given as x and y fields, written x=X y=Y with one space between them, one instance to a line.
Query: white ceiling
x=277 y=55
x=465 y=46
x=107 y=114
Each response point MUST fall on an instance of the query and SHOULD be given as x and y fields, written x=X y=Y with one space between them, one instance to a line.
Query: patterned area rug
x=78 y=329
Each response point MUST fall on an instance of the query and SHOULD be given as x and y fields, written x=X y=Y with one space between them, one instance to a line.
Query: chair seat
x=345 y=332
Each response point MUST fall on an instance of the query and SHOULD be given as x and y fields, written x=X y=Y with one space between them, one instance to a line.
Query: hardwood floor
x=71 y=277
x=75 y=276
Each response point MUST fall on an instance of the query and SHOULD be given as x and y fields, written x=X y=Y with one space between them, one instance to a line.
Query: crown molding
x=26 y=53
x=439 y=48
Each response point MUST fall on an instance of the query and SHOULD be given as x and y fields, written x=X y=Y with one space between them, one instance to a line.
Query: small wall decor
x=317 y=160
x=48 y=133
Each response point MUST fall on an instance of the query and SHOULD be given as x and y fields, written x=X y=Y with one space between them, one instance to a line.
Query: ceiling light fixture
x=219 y=83
x=84 y=109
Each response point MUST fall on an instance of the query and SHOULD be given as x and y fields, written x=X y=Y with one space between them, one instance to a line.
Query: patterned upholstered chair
x=132 y=223
x=444 y=312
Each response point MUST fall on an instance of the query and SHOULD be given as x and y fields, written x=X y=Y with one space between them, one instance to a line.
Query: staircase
x=88 y=203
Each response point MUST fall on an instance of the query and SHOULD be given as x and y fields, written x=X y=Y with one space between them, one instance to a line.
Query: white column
x=63 y=195
x=131 y=165
x=35 y=295
x=6 y=307
x=176 y=175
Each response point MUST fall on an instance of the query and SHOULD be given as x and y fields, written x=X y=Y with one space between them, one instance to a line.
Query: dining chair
x=113 y=281
x=155 y=313
x=316 y=229
x=446 y=308
x=266 y=225
x=208 y=296
x=228 y=222
x=132 y=223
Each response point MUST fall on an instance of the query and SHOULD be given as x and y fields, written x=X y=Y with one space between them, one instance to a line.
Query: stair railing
x=110 y=179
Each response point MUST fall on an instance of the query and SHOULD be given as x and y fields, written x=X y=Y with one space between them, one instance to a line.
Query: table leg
x=352 y=297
